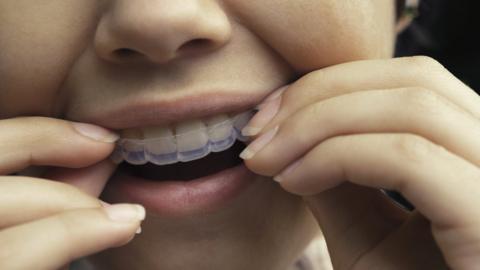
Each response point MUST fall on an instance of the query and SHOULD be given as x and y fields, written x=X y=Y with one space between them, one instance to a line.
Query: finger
x=52 y=242
x=26 y=199
x=410 y=246
x=441 y=185
x=420 y=71
x=354 y=219
x=407 y=110
x=360 y=226
x=91 y=180
x=29 y=141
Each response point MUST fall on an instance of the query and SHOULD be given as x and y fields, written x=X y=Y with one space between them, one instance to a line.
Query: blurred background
x=449 y=31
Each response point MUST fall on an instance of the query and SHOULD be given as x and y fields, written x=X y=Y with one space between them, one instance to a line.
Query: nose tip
x=132 y=31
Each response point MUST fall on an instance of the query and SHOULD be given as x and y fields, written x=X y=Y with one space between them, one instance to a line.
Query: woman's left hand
x=339 y=134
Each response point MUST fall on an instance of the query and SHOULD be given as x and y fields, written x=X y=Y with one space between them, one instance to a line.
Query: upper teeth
x=184 y=141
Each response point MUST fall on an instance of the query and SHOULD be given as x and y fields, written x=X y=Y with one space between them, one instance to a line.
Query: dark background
x=449 y=31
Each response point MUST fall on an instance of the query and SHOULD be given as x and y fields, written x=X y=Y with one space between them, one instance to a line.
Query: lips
x=177 y=199
x=184 y=189
x=152 y=111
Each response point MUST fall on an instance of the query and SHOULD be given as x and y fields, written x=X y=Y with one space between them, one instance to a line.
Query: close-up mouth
x=182 y=142
x=202 y=147
x=183 y=159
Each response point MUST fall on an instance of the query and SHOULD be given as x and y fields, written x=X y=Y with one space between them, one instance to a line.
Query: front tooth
x=133 y=152
x=220 y=132
x=219 y=127
x=192 y=140
x=160 y=145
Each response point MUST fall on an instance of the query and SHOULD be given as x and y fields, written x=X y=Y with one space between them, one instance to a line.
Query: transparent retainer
x=139 y=151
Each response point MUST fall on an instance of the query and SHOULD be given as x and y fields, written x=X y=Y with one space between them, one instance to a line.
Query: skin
x=60 y=62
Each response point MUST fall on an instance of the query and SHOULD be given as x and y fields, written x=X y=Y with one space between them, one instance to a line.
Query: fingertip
x=95 y=132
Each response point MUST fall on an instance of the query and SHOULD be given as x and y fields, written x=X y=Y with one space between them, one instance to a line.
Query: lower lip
x=183 y=198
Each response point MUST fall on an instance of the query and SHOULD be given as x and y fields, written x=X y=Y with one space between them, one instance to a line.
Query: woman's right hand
x=46 y=224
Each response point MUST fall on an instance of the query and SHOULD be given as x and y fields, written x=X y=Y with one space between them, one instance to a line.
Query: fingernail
x=95 y=132
x=258 y=144
x=125 y=212
x=262 y=118
x=139 y=230
x=280 y=177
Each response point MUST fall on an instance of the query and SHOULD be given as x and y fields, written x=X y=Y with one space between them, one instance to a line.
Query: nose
x=158 y=31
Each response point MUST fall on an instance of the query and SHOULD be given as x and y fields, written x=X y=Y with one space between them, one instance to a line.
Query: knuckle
x=414 y=148
x=423 y=100
x=424 y=63
x=424 y=70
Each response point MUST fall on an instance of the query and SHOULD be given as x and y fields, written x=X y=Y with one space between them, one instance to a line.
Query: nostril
x=125 y=53
x=199 y=44
x=190 y=48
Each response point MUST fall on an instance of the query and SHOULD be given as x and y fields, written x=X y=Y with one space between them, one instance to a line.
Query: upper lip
x=153 y=111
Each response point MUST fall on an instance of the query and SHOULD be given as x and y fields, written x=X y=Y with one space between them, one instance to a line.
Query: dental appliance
x=185 y=142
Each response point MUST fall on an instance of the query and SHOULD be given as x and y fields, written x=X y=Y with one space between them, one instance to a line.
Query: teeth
x=220 y=132
x=133 y=152
x=160 y=145
x=191 y=140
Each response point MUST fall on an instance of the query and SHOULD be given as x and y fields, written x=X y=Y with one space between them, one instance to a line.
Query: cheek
x=39 y=41
x=311 y=34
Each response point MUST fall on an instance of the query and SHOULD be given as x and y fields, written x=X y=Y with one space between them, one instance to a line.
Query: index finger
x=29 y=141
x=363 y=75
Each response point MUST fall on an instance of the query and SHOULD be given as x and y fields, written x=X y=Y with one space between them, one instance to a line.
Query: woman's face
x=80 y=60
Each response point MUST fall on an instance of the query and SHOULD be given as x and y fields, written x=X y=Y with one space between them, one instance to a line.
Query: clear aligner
x=184 y=146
